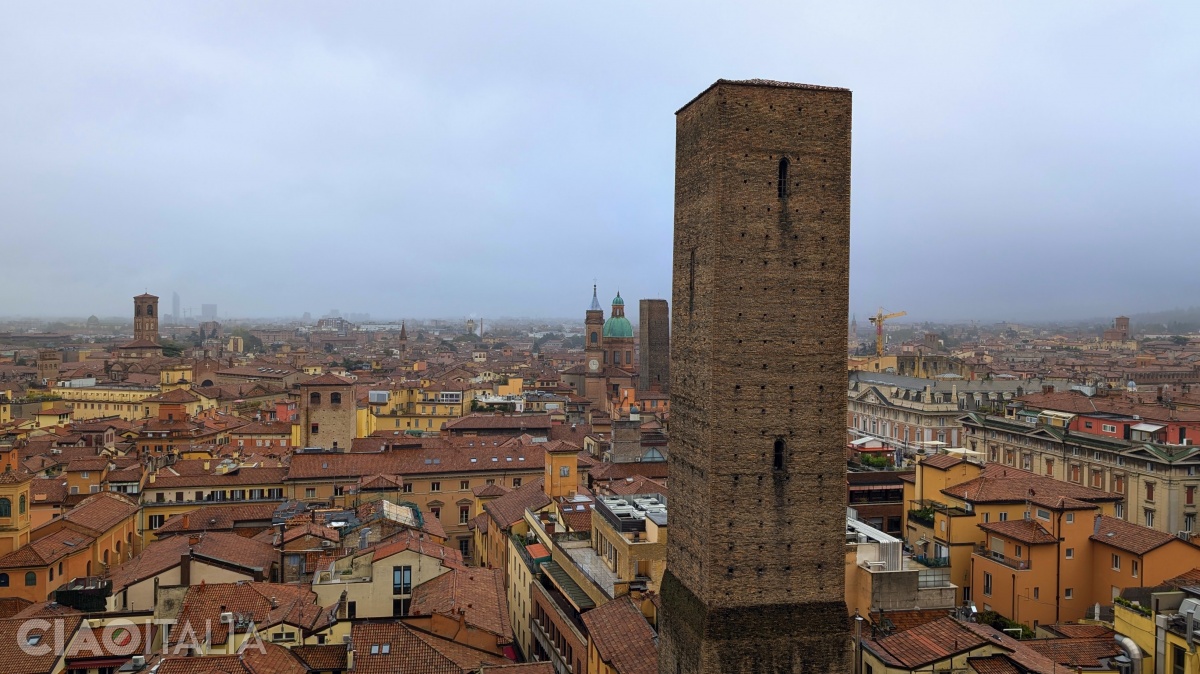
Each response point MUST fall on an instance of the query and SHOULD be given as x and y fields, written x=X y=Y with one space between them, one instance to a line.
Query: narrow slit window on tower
x=780 y=449
x=692 y=283
x=783 y=177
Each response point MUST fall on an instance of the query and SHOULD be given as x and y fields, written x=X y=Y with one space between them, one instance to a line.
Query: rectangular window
x=1149 y=491
x=1149 y=517
x=464 y=514
x=1070 y=554
x=401 y=580
x=516 y=482
x=1116 y=562
x=1036 y=593
x=156 y=521
x=435 y=486
x=1043 y=514
x=310 y=492
x=436 y=512
x=1070 y=518
x=1133 y=568
x=178 y=496
x=464 y=485
x=1189 y=494
x=407 y=488
x=1178 y=660
x=1069 y=593
x=160 y=497
x=314 y=429
x=987 y=584
x=1003 y=517
x=1050 y=466
x=1108 y=428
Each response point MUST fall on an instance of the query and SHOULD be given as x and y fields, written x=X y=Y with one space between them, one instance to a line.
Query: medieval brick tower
x=145 y=318
x=755 y=564
x=654 y=343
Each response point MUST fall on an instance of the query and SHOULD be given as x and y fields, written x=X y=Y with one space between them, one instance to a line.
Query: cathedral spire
x=595 y=300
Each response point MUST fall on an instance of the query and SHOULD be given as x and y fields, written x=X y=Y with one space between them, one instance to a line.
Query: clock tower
x=594 y=360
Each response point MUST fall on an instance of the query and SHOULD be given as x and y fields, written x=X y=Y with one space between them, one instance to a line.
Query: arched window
x=30 y=578
x=5 y=507
x=314 y=398
x=21 y=505
x=149 y=309
x=3 y=580
x=335 y=398
x=780 y=450
x=783 y=177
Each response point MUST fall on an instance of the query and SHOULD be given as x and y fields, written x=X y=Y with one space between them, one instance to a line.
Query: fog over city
x=1019 y=160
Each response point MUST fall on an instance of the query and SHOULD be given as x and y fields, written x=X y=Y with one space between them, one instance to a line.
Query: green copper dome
x=618 y=326
x=617 y=301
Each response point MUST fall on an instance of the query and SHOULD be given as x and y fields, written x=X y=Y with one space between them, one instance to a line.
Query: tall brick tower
x=755 y=563
x=145 y=318
x=654 y=343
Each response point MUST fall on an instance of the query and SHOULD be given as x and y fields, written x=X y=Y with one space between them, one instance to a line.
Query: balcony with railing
x=1017 y=563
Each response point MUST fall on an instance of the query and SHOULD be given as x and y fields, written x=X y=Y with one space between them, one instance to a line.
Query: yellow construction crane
x=878 y=320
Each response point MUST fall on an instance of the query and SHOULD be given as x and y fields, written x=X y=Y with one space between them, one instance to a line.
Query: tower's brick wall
x=654 y=342
x=757 y=362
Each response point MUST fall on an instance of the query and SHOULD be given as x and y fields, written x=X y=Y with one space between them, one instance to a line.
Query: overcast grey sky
x=1015 y=160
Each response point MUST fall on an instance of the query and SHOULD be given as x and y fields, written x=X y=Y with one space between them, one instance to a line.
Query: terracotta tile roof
x=522 y=668
x=13 y=659
x=473 y=422
x=178 y=395
x=999 y=484
x=253 y=556
x=407 y=462
x=1076 y=652
x=994 y=664
x=510 y=508
x=475 y=593
x=1130 y=537
x=410 y=651
x=622 y=636
x=942 y=461
x=620 y=471
x=1187 y=578
x=489 y=490
x=1025 y=531
x=409 y=540
x=266 y=604
x=52 y=491
x=244 y=476
x=273 y=659
x=322 y=658
x=102 y=511
x=47 y=550
x=636 y=485
x=10 y=606
x=925 y=644
x=218 y=518
x=327 y=380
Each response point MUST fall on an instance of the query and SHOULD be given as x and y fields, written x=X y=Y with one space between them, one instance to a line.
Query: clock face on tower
x=593 y=365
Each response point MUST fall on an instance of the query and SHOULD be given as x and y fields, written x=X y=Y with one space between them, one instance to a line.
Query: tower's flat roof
x=762 y=83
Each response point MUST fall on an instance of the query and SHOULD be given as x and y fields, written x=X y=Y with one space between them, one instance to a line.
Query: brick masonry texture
x=654 y=339
x=759 y=308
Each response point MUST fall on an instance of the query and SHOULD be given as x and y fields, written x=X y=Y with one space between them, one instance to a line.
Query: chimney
x=185 y=568
x=194 y=540
x=187 y=520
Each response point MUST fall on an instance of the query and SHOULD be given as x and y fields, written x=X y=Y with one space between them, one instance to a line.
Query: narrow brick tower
x=755 y=564
x=145 y=318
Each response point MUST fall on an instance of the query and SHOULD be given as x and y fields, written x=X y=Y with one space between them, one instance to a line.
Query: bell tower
x=756 y=558
x=594 y=359
x=145 y=318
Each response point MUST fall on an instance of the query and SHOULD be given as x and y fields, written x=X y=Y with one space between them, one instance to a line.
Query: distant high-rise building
x=208 y=312
x=175 y=315
x=654 y=344
x=145 y=318
x=755 y=577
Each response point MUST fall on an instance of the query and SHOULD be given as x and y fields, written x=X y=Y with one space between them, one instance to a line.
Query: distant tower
x=654 y=342
x=403 y=341
x=595 y=357
x=48 y=361
x=145 y=318
x=1122 y=326
x=470 y=326
x=755 y=576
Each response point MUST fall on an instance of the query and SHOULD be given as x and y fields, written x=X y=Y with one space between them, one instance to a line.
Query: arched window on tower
x=149 y=309
x=780 y=451
x=783 y=177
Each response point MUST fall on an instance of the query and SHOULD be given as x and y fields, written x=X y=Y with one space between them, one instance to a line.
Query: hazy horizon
x=483 y=159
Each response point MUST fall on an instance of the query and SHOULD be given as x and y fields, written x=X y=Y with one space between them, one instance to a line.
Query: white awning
x=1148 y=428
